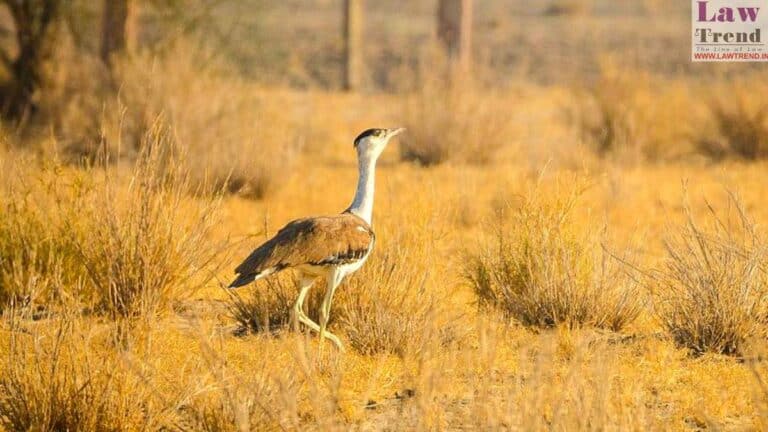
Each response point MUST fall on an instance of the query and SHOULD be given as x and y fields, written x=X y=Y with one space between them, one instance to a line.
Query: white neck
x=362 y=205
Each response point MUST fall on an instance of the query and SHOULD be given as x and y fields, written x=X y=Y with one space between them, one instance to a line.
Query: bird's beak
x=396 y=131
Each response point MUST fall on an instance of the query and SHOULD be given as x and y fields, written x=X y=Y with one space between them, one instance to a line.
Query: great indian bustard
x=327 y=246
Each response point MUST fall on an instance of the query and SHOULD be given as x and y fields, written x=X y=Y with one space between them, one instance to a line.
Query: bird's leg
x=313 y=325
x=298 y=308
x=325 y=310
x=298 y=315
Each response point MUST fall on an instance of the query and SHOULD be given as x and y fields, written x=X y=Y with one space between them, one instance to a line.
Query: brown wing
x=326 y=240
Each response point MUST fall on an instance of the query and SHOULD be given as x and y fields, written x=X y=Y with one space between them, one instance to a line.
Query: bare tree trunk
x=353 y=44
x=117 y=28
x=454 y=29
x=35 y=22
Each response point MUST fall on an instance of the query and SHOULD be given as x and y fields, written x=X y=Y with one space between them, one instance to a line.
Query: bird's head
x=372 y=142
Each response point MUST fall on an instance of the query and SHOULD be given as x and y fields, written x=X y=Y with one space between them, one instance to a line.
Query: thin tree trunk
x=35 y=22
x=117 y=28
x=353 y=44
x=454 y=29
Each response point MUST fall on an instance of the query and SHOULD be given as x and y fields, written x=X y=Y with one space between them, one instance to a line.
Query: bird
x=331 y=247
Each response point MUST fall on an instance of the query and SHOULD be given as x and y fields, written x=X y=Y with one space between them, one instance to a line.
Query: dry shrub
x=739 y=121
x=31 y=257
x=54 y=379
x=268 y=306
x=542 y=270
x=634 y=116
x=73 y=103
x=252 y=402
x=384 y=308
x=453 y=120
x=567 y=8
x=232 y=132
x=235 y=133
x=637 y=116
x=388 y=307
x=145 y=246
x=712 y=292
x=37 y=263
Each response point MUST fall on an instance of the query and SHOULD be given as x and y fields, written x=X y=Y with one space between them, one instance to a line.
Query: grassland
x=439 y=361
x=552 y=254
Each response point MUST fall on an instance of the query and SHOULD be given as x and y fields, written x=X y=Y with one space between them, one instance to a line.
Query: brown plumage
x=330 y=247
x=318 y=241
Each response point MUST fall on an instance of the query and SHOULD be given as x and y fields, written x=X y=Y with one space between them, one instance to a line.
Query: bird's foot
x=324 y=334
x=336 y=341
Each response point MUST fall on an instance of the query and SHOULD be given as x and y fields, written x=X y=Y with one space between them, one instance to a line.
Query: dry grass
x=493 y=377
x=739 y=122
x=141 y=257
x=567 y=8
x=454 y=120
x=84 y=237
x=231 y=136
x=265 y=307
x=31 y=267
x=712 y=293
x=236 y=136
x=620 y=116
x=89 y=246
x=224 y=404
x=60 y=380
x=389 y=307
x=38 y=266
x=540 y=270
x=589 y=390
x=268 y=305
x=386 y=308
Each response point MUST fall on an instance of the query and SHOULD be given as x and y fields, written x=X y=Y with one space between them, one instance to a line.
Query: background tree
x=117 y=32
x=34 y=23
x=353 y=44
x=454 y=29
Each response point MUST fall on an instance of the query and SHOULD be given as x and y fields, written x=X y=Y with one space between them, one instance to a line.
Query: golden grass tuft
x=223 y=404
x=620 y=116
x=542 y=270
x=738 y=126
x=388 y=307
x=117 y=248
x=453 y=120
x=237 y=136
x=712 y=292
x=141 y=246
x=56 y=380
x=38 y=267
x=234 y=136
x=31 y=259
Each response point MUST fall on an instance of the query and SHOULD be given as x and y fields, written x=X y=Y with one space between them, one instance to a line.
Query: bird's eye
x=379 y=132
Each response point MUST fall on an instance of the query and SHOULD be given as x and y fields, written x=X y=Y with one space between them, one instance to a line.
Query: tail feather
x=242 y=279
x=245 y=279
